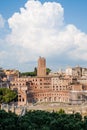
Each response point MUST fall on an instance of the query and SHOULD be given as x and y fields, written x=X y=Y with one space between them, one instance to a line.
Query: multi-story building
x=4 y=83
x=50 y=88
x=76 y=71
x=40 y=87
x=21 y=86
x=69 y=71
x=84 y=71
x=11 y=74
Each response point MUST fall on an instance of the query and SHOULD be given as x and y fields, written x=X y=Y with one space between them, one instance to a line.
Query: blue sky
x=71 y=23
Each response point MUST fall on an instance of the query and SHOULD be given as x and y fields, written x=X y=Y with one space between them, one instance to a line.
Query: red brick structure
x=43 y=88
x=21 y=86
x=41 y=69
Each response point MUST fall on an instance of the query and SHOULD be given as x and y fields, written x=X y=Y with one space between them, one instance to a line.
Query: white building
x=69 y=71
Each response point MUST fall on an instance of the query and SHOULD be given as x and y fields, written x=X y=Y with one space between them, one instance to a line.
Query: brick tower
x=41 y=69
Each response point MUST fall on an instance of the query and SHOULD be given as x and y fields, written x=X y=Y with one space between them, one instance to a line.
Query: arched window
x=54 y=98
x=23 y=99
x=49 y=99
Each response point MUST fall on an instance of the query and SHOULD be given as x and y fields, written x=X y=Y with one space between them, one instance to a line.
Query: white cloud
x=36 y=27
x=40 y=30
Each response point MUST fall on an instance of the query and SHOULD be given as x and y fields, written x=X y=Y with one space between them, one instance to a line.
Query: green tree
x=61 y=111
x=8 y=121
x=78 y=116
x=48 y=70
x=35 y=71
x=7 y=95
x=42 y=120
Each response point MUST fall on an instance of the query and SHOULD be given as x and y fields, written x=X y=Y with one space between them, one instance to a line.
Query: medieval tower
x=41 y=69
